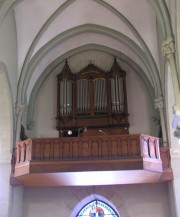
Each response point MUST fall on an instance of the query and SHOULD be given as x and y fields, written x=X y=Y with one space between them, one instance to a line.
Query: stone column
x=19 y=113
x=159 y=104
x=16 y=207
x=169 y=52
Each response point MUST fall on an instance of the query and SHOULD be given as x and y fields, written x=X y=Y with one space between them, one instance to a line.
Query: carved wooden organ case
x=92 y=98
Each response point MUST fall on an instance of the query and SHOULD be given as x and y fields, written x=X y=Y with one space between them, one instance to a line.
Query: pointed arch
x=83 y=208
x=60 y=59
x=151 y=68
x=34 y=43
x=152 y=65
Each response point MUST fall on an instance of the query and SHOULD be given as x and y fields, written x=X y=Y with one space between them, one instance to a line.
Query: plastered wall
x=130 y=200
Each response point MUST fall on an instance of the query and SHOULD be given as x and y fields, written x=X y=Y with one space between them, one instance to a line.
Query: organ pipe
x=83 y=96
x=117 y=94
x=91 y=97
x=100 y=95
x=65 y=96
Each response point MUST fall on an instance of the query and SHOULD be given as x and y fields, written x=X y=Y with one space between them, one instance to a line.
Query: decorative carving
x=168 y=47
x=159 y=103
x=20 y=109
x=92 y=97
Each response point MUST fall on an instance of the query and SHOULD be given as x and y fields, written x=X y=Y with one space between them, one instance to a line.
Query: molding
x=159 y=103
x=67 y=55
x=168 y=47
x=147 y=53
x=34 y=43
x=137 y=36
x=6 y=6
x=159 y=15
x=152 y=70
x=163 y=16
x=159 y=7
x=166 y=17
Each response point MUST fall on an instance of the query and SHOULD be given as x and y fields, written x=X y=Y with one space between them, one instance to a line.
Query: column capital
x=168 y=47
x=159 y=103
x=19 y=109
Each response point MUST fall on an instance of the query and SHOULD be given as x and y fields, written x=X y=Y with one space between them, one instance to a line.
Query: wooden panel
x=57 y=150
x=91 y=95
x=95 y=153
x=126 y=146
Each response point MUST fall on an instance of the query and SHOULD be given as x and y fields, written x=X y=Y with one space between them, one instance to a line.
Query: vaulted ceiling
x=48 y=32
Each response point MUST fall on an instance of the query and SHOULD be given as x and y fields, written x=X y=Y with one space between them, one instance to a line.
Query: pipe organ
x=92 y=98
x=66 y=96
x=83 y=97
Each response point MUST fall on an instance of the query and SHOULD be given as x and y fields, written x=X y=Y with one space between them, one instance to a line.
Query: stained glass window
x=97 y=208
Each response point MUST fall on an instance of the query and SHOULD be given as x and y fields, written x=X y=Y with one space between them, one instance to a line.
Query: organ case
x=92 y=98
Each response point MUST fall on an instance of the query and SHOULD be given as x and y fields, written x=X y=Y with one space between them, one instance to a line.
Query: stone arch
x=60 y=59
x=88 y=200
x=100 y=30
x=149 y=60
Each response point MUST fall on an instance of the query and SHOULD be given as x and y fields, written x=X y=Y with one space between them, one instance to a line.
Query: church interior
x=89 y=108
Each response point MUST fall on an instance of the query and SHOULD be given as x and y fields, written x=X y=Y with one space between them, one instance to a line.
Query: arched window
x=97 y=208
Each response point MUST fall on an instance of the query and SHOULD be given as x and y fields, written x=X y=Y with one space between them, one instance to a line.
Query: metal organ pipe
x=100 y=95
x=117 y=94
x=121 y=95
x=82 y=96
x=66 y=96
x=113 y=95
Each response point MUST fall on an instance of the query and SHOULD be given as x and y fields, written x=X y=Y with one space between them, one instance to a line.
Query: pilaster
x=168 y=50
x=159 y=104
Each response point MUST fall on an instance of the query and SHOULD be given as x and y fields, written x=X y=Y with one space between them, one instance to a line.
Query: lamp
x=101 y=131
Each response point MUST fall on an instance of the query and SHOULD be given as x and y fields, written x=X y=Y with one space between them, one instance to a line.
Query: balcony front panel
x=123 y=154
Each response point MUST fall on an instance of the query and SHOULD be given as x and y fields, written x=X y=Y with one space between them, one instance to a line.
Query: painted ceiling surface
x=48 y=32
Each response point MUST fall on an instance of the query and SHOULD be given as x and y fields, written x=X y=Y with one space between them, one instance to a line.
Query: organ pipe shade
x=100 y=95
x=65 y=96
x=117 y=94
x=83 y=96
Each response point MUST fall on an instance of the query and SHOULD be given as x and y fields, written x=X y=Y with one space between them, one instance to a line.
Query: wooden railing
x=90 y=148
x=37 y=161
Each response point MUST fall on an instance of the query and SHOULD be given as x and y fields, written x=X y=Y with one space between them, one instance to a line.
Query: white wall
x=140 y=106
x=8 y=48
x=6 y=124
x=130 y=200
